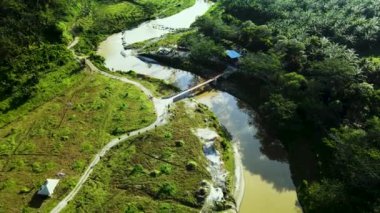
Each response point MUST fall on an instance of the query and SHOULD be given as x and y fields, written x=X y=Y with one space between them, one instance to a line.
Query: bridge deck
x=197 y=86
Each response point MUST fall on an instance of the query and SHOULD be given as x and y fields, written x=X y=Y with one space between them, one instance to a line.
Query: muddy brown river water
x=268 y=186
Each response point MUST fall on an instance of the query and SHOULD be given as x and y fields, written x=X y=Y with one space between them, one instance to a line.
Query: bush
x=191 y=165
x=167 y=189
x=166 y=169
x=78 y=165
x=168 y=135
x=118 y=131
x=179 y=143
x=131 y=208
x=154 y=173
x=137 y=169
x=37 y=168
x=166 y=207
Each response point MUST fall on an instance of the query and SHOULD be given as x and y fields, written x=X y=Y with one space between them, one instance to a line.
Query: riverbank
x=162 y=169
x=272 y=177
x=96 y=20
x=240 y=85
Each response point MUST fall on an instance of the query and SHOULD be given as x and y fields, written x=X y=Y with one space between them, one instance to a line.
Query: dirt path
x=161 y=108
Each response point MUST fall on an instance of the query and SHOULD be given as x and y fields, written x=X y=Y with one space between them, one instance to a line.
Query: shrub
x=78 y=165
x=36 y=167
x=166 y=207
x=118 y=131
x=131 y=208
x=137 y=169
x=165 y=169
x=167 y=189
x=179 y=143
x=168 y=135
x=191 y=165
x=154 y=173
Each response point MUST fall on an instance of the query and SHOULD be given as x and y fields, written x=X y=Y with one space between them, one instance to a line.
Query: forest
x=34 y=35
x=312 y=71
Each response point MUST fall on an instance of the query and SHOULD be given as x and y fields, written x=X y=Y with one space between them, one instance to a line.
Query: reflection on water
x=268 y=183
x=112 y=47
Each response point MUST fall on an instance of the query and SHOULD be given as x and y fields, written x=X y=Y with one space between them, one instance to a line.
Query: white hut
x=48 y=188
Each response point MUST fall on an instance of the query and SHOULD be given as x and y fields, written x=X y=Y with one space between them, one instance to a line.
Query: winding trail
x=161 y=108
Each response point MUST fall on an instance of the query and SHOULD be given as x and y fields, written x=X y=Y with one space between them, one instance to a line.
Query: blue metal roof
x=232 y=54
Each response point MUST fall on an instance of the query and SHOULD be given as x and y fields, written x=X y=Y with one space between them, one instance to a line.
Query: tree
x=325 y=196
x=279 y=112
x=255 y=37
x=205 y=51
x=266 y=67
x=292 y=53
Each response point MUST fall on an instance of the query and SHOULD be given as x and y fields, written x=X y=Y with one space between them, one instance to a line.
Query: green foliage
x=255 y=37
x=352 y=23
x=303 y=79
x=166 y=190
x=37 y=167
x=266 y=67
x=165 y=169
x=137 y=169
x=204 y=50
x=79 y=165
x=279 y=110
x=327 y=196
x=168 y=135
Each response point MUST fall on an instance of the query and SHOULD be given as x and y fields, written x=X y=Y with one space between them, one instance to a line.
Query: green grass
x=107 y=18
x=49 y=86
x=169 y=40
x=169 y=7
x=159 y=87
x=64 y=133
x=148 y=173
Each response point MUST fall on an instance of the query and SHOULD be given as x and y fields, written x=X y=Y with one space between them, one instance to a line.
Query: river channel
x=268 y=186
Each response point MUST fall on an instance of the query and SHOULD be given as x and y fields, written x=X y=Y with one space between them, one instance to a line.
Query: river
x=268 y=185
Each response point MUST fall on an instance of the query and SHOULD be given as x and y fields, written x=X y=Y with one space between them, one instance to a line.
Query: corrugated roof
x=233 y=54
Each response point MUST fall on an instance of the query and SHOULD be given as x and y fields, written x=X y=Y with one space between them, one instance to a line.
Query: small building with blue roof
x=233 y=56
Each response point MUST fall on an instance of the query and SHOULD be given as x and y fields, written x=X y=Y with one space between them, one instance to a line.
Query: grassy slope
x=106 y=18
x=124 y=181
x=64 y=133
x=159 y=87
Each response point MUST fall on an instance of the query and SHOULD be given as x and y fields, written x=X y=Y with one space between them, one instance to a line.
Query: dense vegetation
x=31 y=46
x=34 y=35
x=312 y=73
x=354 y=23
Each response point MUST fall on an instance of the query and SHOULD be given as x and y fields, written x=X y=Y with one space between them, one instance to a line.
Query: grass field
x=149 y=173
x=62 y=135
